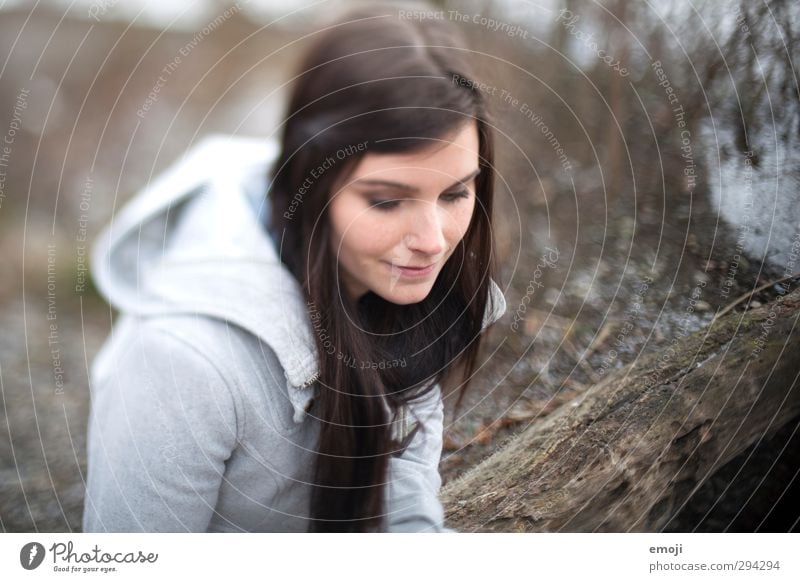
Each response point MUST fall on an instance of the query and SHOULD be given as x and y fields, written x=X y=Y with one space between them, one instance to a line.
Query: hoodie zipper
x=308 y=383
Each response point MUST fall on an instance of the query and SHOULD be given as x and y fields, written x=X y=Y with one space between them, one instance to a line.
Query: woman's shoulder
x=211 y=340
x=178 y=350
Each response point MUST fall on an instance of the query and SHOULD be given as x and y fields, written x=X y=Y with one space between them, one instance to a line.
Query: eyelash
x=386 y=205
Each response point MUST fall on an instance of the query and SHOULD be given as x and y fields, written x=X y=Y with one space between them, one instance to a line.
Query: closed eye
x=390 y=204
x=455 y=196
x=384 y=204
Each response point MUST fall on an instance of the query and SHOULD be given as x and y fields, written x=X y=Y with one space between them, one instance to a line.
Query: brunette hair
x=394 y=85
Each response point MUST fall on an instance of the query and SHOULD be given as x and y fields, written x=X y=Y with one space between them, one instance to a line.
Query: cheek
x=360 y=236
x=365 y=239
x=460 y=219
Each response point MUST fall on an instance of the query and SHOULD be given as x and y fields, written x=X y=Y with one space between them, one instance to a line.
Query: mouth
x=412 y=272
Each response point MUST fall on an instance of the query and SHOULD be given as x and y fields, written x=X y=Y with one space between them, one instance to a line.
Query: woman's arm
x=162 y=425
x=414 y=481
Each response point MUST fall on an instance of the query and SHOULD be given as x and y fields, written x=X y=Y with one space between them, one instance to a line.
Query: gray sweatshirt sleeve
x=414 y=481
x=162 y=425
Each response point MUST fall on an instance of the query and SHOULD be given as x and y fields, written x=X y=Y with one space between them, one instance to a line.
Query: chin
x=407 y=294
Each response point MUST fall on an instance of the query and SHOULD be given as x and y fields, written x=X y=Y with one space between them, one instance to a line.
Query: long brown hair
x=383 y=84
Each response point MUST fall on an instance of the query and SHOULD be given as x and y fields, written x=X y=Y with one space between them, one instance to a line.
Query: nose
x=426 y=231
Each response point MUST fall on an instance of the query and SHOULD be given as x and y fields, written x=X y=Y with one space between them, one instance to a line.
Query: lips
x=412 y=271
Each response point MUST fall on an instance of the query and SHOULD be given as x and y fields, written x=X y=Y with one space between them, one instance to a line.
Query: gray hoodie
x=202 y=413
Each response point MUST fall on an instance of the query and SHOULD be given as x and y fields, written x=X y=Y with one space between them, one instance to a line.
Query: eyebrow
x=413 y=189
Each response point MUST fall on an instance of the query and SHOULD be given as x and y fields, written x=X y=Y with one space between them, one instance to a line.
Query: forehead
x=448 y=158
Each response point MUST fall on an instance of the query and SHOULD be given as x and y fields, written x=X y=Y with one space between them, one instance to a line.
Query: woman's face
x=398 y=213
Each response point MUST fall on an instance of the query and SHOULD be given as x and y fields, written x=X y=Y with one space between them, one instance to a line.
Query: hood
x=192 y=242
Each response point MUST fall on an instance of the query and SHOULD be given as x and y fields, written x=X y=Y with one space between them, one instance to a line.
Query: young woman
x=290 y=311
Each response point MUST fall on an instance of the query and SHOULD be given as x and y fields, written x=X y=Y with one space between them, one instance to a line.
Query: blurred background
x=637 y=142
